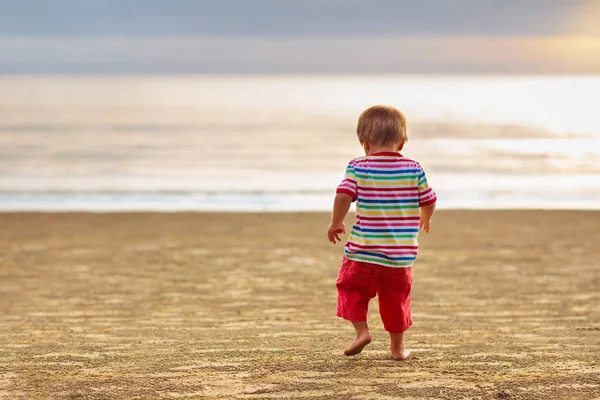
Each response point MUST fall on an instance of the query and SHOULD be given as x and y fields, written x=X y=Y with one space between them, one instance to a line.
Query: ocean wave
x=417 y=130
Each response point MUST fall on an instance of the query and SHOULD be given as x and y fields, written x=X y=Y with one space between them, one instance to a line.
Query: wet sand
x=242 y=306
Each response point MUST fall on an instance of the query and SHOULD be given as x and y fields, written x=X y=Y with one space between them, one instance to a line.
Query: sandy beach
x=242 y=306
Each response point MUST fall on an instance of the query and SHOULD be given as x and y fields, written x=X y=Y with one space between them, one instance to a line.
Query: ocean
x=281 y=143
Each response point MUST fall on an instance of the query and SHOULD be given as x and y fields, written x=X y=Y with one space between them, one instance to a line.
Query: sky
x=300 y=36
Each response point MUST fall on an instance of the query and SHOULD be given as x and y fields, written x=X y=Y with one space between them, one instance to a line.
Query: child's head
x=382 y=127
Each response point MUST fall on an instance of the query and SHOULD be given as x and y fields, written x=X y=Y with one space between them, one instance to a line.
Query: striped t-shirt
x=388 y=189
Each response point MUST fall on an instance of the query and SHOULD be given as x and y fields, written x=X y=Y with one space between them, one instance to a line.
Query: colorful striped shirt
x=388 y=189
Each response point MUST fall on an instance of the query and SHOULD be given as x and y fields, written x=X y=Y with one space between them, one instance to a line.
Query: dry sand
x=241 y=306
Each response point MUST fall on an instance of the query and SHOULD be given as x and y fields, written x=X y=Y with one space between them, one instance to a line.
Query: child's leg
x=363 y=338
x=399 y=353
x=394 y=291
x=356 y=284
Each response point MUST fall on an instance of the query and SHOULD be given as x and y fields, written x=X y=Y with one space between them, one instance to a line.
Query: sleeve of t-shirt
x=348 y=185
x=426 y=194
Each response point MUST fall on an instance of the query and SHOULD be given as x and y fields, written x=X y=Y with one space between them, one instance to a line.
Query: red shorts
x=358 y=282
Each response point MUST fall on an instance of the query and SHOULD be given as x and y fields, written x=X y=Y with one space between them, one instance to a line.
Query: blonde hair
x=382 y=125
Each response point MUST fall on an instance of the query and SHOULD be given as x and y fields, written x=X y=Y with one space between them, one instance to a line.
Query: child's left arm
x=341 y=205
x=346 y=194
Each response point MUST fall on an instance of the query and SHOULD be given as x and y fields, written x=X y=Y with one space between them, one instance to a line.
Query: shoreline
x=284 y=212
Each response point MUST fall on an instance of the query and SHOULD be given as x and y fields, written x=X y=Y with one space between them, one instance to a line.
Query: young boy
x=393 y=201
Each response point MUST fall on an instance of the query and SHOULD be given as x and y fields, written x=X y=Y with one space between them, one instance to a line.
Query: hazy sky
x=283 y=36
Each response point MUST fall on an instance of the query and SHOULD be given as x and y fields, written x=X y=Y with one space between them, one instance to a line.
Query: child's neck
x=381 y=149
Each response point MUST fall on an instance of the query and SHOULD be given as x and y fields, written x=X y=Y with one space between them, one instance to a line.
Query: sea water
x=274 y=143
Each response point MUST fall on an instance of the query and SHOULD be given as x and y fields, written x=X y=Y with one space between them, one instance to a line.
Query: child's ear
x=400 y=146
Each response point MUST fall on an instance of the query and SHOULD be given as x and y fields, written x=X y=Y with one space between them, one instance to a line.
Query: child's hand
x=425 y=225
x=334 y=231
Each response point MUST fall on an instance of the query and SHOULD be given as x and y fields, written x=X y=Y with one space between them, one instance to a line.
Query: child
x=393 y=202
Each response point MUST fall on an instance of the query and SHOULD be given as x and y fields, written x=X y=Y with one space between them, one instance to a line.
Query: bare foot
x=358 y=344
x=400 y=355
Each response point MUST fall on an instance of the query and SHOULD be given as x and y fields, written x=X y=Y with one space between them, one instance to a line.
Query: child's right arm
x=427 y=201
x=426 y=214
